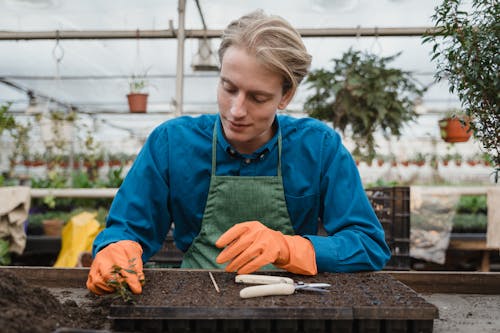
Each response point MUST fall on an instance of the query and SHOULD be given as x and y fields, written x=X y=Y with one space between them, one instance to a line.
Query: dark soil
x=174 y=301
x=195 y=289
x=29 y=308
x=32 y=309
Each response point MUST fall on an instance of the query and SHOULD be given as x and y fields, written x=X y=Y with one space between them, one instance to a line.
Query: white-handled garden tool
x=268 y=285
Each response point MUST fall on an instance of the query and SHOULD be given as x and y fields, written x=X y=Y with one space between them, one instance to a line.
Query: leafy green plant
x=80 y=179
x=466 y=47
x=54 y=179
x=471 y=214
x=470 y=223
x=119 y=281
x=7 y=121
x=380 y=182
x=4 y=252
x=139 y=83
x=19 y=133
x=472 y=204
x=115 y=178
x=57 y=127
x=36 y=219
x=418 y=158
x=363 y=94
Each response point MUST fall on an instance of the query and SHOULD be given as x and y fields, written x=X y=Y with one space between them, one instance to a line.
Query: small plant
x=137 y=86
x=115 y=178
x=419 y=159
x=4 y=253
x=472 y=204
x=119 y=281
x=139 y=83
x=446 y=158
x=7 y=121
x=54 y=179
x=457 y=158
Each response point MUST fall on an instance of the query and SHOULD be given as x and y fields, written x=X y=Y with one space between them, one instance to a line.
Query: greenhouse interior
x=111 y=152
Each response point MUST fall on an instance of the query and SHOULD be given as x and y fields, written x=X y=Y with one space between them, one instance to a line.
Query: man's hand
x=251 y=245
x=121 y=254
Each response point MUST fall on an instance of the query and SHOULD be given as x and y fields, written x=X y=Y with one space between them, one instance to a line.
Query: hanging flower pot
x=137 y=102
x=454 y=129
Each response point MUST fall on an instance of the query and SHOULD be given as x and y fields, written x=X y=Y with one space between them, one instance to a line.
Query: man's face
x=248 y=95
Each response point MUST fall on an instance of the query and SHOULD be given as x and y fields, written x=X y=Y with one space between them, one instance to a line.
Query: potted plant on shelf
x=446 y=158
x=419 y=159
x=457 y=158
x=364 y=95
x=138 y=96
x=465 y=46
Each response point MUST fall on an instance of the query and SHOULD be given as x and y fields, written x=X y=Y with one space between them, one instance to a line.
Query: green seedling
x=119 y=281
x=4 y=252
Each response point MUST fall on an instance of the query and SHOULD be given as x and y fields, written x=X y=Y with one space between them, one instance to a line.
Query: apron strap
x=214 y=149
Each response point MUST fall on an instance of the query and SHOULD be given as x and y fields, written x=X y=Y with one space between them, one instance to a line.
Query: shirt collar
x=221 y=140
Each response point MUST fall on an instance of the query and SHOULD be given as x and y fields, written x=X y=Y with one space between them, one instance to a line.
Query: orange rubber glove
x=251 y=245
x=123 y=254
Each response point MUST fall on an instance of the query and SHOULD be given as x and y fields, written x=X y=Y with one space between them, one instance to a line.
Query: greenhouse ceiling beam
x=210 y=33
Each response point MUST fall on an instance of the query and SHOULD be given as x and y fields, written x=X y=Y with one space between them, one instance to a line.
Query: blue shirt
x=170 y=178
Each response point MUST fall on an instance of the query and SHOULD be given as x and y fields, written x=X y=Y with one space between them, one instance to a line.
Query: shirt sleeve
x=139 y=211
x=355 y=240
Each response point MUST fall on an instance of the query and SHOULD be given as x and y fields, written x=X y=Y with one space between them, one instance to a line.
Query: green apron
x=235 y=199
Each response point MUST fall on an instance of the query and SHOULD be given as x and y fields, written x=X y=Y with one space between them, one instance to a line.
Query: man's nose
x=238 y=107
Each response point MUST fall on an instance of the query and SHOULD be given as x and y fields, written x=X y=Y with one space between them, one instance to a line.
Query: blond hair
x=273 y=41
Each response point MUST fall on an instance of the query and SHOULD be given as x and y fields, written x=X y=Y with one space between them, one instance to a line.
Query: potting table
x=176 y=300
x=301 y=312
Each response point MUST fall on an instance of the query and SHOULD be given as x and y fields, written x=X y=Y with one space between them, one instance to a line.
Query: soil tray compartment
x=186 y=301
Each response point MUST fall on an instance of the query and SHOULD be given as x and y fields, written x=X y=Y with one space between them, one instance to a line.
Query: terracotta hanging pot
x=137 y=102
x=453 y=130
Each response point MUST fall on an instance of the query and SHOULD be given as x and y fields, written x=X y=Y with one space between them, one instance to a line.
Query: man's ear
x=285 y=99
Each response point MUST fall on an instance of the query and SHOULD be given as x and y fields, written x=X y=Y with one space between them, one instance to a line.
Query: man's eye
x=227 y=87
x=259 y=100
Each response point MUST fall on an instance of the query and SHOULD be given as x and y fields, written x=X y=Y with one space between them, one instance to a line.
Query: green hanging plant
x=363 y=94
x=466 y=47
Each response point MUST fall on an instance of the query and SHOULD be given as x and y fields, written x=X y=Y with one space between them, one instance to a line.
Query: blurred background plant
x=362 y=95
x=466 y=48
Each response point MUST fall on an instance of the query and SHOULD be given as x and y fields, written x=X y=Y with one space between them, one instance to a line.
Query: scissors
x=268 y=285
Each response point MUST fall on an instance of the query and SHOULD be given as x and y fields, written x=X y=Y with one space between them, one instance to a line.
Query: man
x=246 y=180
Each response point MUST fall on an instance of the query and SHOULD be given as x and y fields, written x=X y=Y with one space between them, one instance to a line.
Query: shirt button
x=248 y=161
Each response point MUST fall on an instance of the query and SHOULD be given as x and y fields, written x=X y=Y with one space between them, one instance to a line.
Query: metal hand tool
x=268 y=285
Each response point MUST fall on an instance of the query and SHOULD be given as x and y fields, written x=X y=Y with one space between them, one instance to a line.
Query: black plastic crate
x=392 y=206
